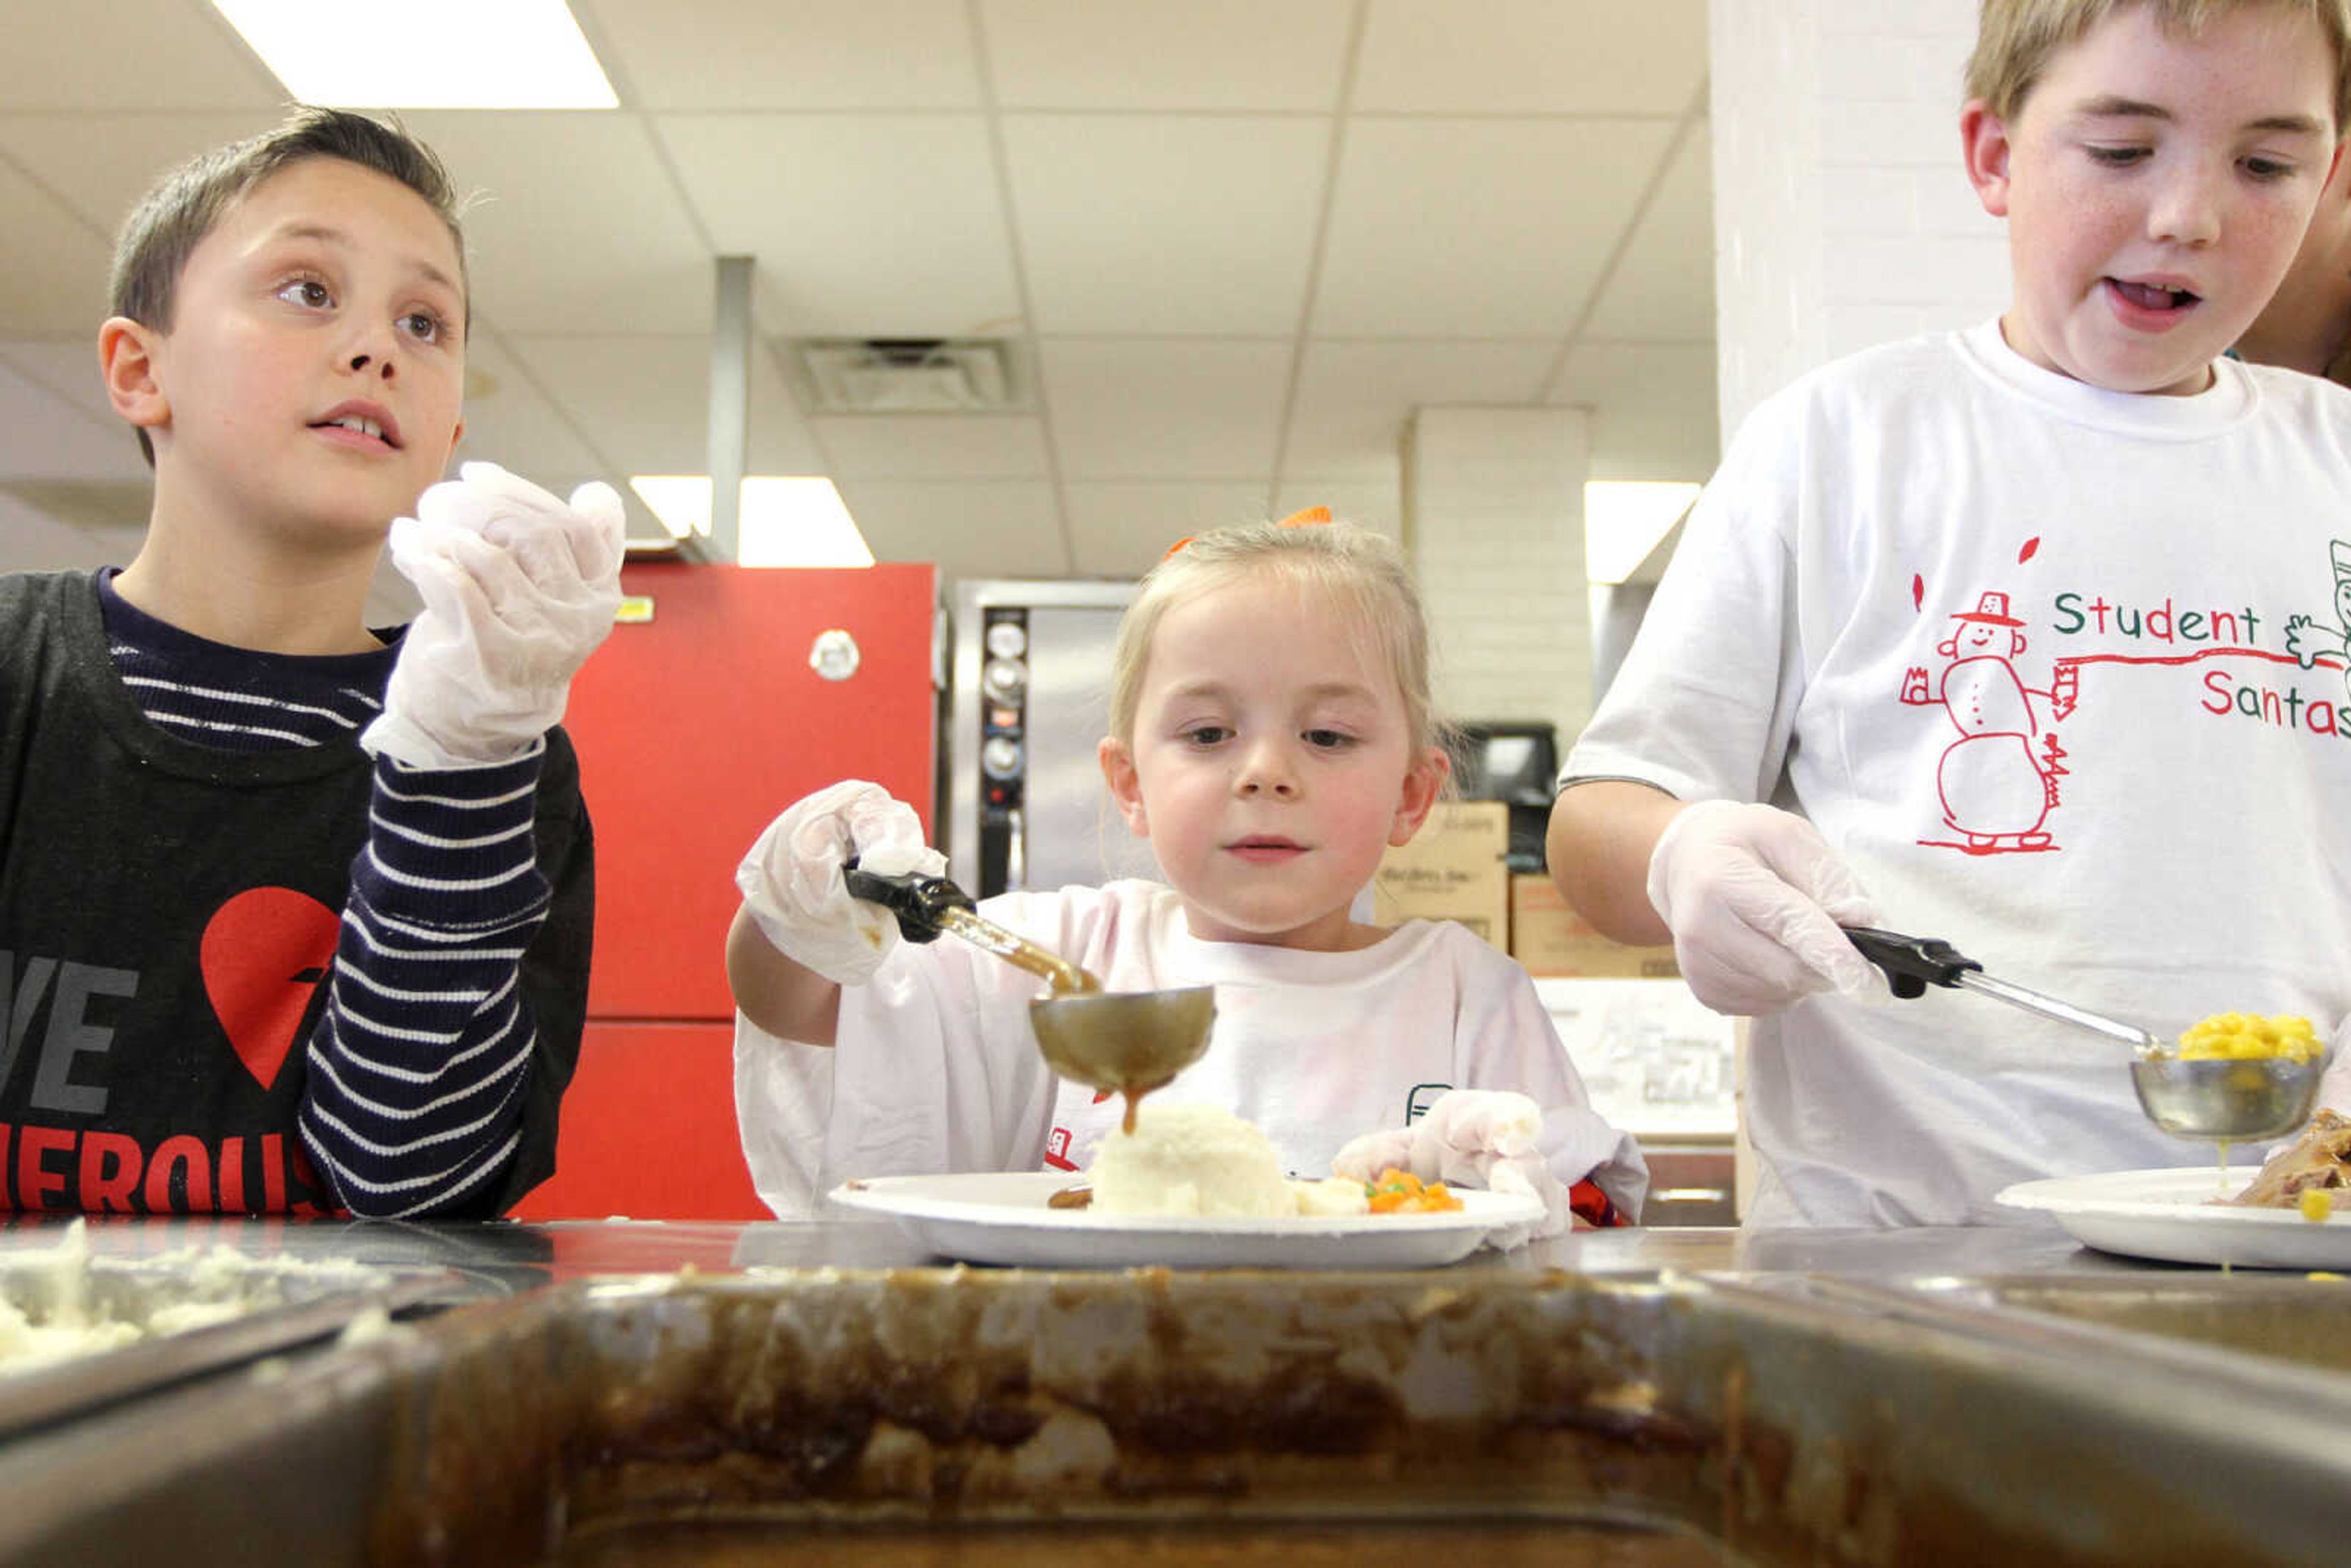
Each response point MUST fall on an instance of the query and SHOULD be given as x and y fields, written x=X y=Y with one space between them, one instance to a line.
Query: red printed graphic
x=66 y=1169
x=264 y=953
x=1057 y=1150
x=1998 y=781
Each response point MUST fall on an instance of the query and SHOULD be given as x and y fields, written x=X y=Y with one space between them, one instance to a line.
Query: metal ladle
x=2221 y=1099
x=1125 y=1041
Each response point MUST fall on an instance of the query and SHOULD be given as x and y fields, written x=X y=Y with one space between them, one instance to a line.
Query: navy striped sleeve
x=418 y=1066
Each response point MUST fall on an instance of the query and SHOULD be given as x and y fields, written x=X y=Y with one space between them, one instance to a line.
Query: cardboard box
x=1549 y=938
x=1456 y=868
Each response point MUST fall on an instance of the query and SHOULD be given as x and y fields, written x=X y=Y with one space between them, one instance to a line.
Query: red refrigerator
x=733 y=691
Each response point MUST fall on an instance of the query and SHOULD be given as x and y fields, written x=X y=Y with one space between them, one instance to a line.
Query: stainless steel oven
x=1028 y=708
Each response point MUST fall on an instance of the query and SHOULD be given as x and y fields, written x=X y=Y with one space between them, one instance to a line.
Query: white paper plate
x=1002 y=1218
x=2169 y=1215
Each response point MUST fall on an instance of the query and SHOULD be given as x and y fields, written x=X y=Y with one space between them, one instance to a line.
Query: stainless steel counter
x=503 y=1258
x=1918 y=1398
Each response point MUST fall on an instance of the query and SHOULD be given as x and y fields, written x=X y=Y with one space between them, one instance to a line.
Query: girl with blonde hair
x=1271 y=735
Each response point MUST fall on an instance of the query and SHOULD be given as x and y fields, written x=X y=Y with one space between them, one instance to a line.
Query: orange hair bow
x=1306 y=516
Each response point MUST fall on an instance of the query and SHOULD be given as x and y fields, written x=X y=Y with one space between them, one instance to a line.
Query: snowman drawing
x=1996 y=786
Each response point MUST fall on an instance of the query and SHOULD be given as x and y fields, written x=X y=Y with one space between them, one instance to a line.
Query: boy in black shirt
x=243 y=969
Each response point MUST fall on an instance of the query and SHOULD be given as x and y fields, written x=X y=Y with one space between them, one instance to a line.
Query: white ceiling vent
x=907 y=375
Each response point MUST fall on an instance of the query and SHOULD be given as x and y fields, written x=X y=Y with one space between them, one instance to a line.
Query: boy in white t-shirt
x=1985 y=636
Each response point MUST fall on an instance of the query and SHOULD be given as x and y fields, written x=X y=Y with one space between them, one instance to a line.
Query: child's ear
x=126 y=359
x=1983 y=136
x=1125 y=786
x=1422 y=782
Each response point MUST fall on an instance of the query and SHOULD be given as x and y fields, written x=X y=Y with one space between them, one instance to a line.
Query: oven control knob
x=999 y=757
x=1007 y=638
x=1005 y=679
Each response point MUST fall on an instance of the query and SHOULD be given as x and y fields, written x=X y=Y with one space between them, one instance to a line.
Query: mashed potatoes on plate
x=1202 y=1160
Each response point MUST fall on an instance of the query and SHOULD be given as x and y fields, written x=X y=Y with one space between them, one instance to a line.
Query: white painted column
x=1493 y=518
x=1843 y=212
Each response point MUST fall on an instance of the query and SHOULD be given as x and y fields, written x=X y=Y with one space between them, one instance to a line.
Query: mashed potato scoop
x=2220 y=1082
x=1127 y=1042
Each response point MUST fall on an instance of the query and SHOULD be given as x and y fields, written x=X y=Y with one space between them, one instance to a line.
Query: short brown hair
x=164 y=229
x=2015 y=38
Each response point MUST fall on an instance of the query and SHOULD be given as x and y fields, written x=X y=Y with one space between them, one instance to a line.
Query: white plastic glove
x=792 y=884
x=1489 y=1138
x=518 y=588
x=2334 y=1088
x=1755 y=896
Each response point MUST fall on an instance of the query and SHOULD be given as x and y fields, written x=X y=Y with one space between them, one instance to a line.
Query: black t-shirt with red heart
x=169 y=916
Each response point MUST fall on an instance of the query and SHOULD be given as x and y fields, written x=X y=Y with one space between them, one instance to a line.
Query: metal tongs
x=1126 y=1041
x=2221 y=1099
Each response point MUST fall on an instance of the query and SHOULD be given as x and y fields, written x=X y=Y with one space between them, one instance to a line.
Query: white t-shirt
x=935 y=1068
x=2023 y=650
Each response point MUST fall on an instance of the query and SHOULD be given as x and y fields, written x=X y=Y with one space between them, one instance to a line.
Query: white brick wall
x=1843 y=214
x=1494 y=521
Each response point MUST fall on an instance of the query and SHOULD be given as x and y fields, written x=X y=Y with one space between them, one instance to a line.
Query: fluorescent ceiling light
x=784 y=522
x=448 y=54
x=1624 y=519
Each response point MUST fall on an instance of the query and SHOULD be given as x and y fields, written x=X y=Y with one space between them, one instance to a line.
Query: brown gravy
x=1210 y=1543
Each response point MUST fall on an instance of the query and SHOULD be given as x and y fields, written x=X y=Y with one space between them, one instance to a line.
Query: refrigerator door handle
x=1016 y=850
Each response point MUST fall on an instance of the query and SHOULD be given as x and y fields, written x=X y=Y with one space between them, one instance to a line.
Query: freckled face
x=1271 y=765
x=2156 y=188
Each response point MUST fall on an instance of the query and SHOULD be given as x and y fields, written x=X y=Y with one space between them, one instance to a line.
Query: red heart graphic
x=264 y=953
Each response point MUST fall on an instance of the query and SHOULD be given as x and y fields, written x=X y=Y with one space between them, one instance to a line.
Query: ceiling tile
x=1469 y=229
x=1166 y=222
x=65 y=367
x=141 y=55
x=55 y=268
x=573 y=225
x=101 y=164
x=1166 y=408
x=1375 y=507
x=1122 y=527
x=1654 y=409
x=1149 y=55
x=644 y=402
x=44 y=436
x=1662 y=290
x=1354 y=399
x=32 y=539
x=987 y=527
x=705 y=55
x=864 y=226
x=1532 y=56
x=933 y=447
x=511 y=421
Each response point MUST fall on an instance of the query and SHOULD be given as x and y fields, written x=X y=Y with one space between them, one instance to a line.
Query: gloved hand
x=1754 y=897
x=1488 y=1138
x=2334 y=1088
x=792 y=884
x=519 y=590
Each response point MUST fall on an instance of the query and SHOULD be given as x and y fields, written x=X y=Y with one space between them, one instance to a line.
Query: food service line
x=1960 y=1389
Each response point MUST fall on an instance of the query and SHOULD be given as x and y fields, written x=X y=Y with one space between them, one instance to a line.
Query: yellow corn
x=2235 y=1036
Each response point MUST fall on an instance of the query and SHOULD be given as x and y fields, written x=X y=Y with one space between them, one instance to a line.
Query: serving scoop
x=1127 y=1042
x=2221 y=1099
